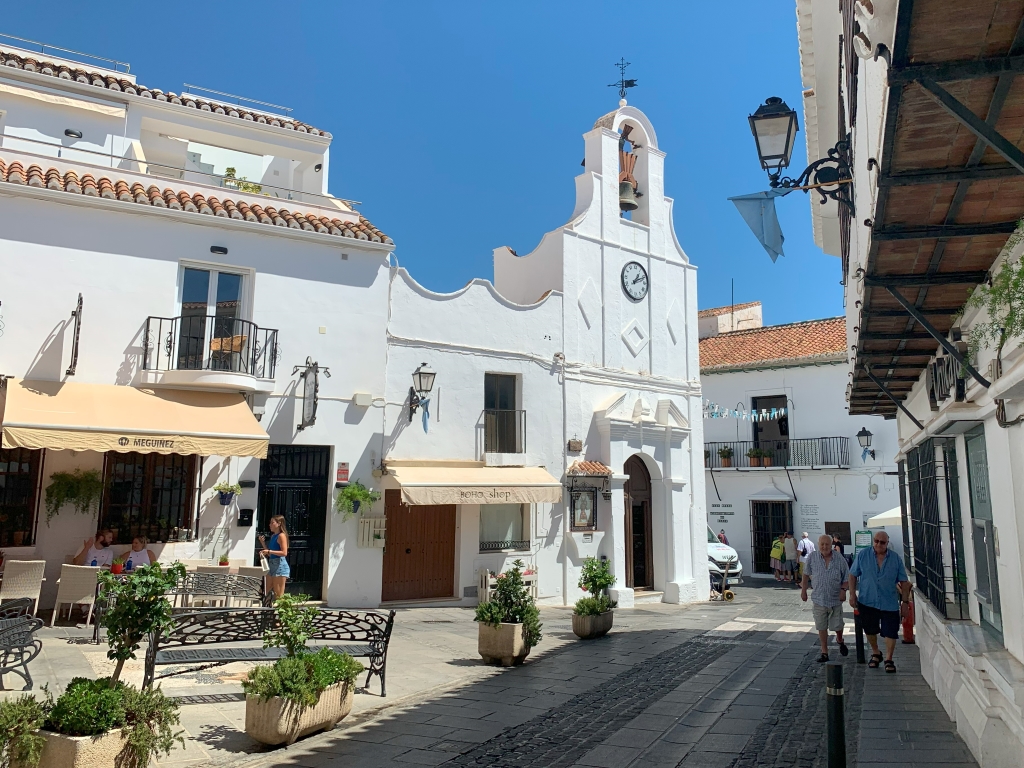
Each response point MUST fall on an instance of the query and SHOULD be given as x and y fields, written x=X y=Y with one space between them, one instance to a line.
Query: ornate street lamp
x=864 y=438
x=774 y=125
x=422 y=384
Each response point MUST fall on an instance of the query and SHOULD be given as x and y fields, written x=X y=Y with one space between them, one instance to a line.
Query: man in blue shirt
x=879 y=591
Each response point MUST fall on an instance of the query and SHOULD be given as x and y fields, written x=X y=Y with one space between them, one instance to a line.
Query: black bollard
x=835 y=724
x=858 y=634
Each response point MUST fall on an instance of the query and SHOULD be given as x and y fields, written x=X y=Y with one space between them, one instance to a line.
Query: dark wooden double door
x=639 y=562
x=294 y=482
x=419 y=554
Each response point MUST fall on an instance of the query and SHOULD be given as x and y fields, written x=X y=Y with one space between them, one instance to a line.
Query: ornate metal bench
x=18 y=643
x=362 y=634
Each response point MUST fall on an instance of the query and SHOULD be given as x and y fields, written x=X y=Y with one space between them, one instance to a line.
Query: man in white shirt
x=804 y=547
x=96 y=550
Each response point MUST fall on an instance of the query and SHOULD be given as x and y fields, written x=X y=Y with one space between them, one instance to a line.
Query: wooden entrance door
x=419 y=553
x=294 y=482
x=639 y=565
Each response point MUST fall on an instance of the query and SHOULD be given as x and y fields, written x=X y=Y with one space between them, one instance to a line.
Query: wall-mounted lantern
x=422 y=384
x=864 y=438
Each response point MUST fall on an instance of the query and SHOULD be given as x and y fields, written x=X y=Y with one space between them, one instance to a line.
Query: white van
x=718 y=555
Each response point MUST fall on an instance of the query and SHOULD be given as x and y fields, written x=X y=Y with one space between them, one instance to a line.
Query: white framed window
x=504 y=527
x=214 y=307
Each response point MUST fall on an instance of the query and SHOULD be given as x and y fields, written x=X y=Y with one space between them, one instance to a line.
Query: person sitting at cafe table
x=139 y=555
x=96 y=550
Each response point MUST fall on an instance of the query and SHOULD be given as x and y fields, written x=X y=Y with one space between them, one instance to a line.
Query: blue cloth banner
x=758 y=210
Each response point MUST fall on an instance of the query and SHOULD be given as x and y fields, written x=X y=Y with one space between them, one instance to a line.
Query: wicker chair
x=255 y=571
x=23 y=578
x=19 y=645
x=77 y=586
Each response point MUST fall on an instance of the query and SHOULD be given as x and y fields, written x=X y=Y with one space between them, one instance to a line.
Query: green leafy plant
x=302 y=678
x=137 y=606
x=1003 y=302
x=295 y=624
x=595 y=577
x=512 y=604
x=234 y=488
x=81 y=488
x=20 y=721
x=725 y=452
x=707 y=454
x=224 y=560
x=354 y=496
x=92 y=707
x=233 y=181
x=755 y=453
x=593 y=606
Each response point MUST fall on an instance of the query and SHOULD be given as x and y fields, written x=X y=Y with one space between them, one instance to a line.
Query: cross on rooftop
x=623 y=83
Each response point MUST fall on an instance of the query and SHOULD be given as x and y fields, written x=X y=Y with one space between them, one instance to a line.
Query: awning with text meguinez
x=103 y=417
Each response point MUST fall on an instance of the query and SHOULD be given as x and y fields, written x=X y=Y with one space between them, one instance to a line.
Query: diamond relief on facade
x=635 y=337
x=589 y=302
x=676 y=322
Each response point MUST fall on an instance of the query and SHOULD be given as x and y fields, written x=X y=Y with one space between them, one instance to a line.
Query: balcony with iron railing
x=785 y=452
x=504 y=431
x=209 y=352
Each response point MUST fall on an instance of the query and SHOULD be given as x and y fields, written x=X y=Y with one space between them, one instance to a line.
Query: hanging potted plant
x=82 y=489
x=592 y=616
x=353 y=497
x=754 y=454
x=508 y=625
x=303 y=692
x=725 y=454
x=227 y=491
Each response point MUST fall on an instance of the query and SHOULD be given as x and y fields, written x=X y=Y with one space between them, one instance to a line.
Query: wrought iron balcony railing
x=810 y=452
x=504 y=431
x=210 y=343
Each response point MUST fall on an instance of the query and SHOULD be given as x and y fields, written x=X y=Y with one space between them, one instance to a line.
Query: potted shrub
x=754 y=454
x=93 y=724
x=117 y=566
x=227 y=491
x=707 y=457
x=223 y=561
x=592 y=616
x=509 y=623
x=725 y=454
x=354 y=496
x=303 y=692
x=766 y=457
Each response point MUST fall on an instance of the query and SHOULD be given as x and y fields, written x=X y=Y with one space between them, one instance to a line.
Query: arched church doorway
x=639 y=565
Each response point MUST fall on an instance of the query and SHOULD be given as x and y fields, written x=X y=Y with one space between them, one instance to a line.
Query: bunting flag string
x=713 y=410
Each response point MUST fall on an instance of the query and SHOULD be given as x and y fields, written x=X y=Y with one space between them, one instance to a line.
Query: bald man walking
x=831 y=578
x=880 y=589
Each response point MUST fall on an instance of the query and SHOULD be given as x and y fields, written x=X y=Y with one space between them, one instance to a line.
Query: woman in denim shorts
x=277 y=555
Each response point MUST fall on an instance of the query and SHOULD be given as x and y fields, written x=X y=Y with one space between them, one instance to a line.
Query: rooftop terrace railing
x=807 y=452
x=83 y=57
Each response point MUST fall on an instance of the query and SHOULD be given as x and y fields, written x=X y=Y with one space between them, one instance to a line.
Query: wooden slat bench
x=189 y=640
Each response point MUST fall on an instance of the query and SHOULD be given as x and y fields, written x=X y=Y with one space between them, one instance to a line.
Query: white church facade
x=201 y=328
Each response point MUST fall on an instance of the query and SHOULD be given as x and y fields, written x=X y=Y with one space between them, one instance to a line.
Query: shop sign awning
x=103 y=417
x=477 y=485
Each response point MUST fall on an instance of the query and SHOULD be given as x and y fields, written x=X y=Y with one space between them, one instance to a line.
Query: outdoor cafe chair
x=76 y=586
x=23 y=578
x=254 y=571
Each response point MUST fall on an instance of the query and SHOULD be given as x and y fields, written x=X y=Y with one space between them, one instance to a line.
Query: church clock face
x=634 y=281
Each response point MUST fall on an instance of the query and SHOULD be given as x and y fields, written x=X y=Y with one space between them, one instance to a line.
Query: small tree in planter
x=754 y=455
x=725 y=454
x=226 y=492
x=767 y=454
x=509 y=623
x=303 y=692
x=91 y=725
x=354 y=497
x=592 y=616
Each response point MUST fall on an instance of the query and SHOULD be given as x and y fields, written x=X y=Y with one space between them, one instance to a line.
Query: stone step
x=647 y=597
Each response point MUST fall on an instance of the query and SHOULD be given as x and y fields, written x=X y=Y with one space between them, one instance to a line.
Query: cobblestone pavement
x=716 y=685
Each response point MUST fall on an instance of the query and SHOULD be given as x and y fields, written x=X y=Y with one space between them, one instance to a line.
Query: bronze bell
x=627 y=200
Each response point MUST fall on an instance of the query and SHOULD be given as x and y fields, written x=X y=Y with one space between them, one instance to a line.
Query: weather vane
x=623 y=83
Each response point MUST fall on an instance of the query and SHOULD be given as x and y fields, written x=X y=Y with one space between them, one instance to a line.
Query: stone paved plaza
x=709 y=685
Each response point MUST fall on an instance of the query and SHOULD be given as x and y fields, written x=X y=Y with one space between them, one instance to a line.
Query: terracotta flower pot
x=589 y=627
x=61 y=751
x=280 y=721
x=726 y=461
x=504 y=644
x=766 y=461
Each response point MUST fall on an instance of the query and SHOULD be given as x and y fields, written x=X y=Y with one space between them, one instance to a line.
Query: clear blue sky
x=459 y=124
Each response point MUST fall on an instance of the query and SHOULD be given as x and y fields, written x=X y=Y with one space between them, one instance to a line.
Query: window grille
x=148 y=494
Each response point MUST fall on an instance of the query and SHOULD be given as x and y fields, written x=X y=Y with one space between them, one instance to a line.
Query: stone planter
x=80 y=751
x=503 y=644
x=589 y=627
x=280 y=721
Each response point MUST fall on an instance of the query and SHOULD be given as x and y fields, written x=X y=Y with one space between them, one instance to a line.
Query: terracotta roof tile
x=136 y=193
x=112 y=83
x=794 y=343
x=588 y=468
x=716 y=311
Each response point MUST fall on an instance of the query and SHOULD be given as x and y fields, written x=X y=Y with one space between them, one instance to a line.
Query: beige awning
x=477 y=485
x=892 y=517
x=102 y=417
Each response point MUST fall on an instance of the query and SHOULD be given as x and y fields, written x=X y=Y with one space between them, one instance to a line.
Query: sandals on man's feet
x=843 y=649
x=823 y=658
x=890 y=666
x=876 y=659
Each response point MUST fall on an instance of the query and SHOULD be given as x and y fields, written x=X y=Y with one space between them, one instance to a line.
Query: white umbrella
x=893 y=517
